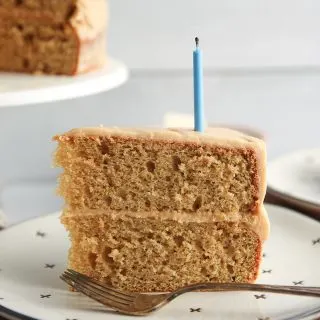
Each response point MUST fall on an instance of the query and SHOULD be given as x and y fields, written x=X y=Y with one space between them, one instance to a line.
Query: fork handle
x=293 y=290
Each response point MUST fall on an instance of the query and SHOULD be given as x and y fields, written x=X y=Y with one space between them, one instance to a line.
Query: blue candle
x=198 y=89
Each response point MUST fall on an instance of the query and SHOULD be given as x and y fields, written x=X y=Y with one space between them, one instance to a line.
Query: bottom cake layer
x=148 y=255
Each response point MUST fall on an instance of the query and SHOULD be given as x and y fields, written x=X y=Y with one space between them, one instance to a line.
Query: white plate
x=297 y=175
x=33 y=255
x=20 y=89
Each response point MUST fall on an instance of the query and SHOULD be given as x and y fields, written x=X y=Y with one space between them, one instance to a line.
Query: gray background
x=262 y=69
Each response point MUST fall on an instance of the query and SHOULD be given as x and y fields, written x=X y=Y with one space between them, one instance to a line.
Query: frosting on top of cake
x=216 y=136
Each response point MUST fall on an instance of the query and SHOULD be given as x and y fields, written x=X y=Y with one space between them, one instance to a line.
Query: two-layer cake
x=155 y=209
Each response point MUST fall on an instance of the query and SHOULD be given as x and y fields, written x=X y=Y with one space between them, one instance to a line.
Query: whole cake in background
x=153 y=210
x=63 y=37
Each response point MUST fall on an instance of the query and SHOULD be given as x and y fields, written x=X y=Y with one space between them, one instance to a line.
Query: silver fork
x=144 y=303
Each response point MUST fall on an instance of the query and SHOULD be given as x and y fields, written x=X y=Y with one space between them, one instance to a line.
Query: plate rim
x=275 y=162
x=14 y=315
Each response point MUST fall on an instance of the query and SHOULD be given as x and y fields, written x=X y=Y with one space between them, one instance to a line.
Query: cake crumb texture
x=151 y=210
x=145 y=255
x=58 y=37
x=60 y=10
x=31 y=47
x=138 y=175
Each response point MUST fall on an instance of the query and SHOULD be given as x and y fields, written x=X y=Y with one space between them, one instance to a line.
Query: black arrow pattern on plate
x=316 y=241
x=267 y=271
x=40 y=234
x=195 y=309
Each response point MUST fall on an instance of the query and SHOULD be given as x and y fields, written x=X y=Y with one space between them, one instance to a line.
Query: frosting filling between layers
x=258 y=223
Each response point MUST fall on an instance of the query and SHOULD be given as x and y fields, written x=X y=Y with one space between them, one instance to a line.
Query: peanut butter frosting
x=258 y=223
x=216 y=136
x=90 y=19
x=92 y=54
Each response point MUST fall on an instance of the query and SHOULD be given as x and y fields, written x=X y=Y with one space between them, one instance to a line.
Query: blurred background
x=262 y=70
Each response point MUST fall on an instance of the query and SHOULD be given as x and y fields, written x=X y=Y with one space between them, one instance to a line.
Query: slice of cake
x=53 y=37
x=153 y=210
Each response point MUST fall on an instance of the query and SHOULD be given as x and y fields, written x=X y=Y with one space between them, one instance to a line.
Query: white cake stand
x=20 y=89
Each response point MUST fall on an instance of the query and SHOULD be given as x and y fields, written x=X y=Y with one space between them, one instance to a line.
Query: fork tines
x=101 y=293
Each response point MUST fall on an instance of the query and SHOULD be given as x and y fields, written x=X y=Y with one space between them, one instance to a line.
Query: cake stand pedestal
x=17 y=90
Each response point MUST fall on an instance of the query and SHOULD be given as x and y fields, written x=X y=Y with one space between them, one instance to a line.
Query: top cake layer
x=161 y=170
